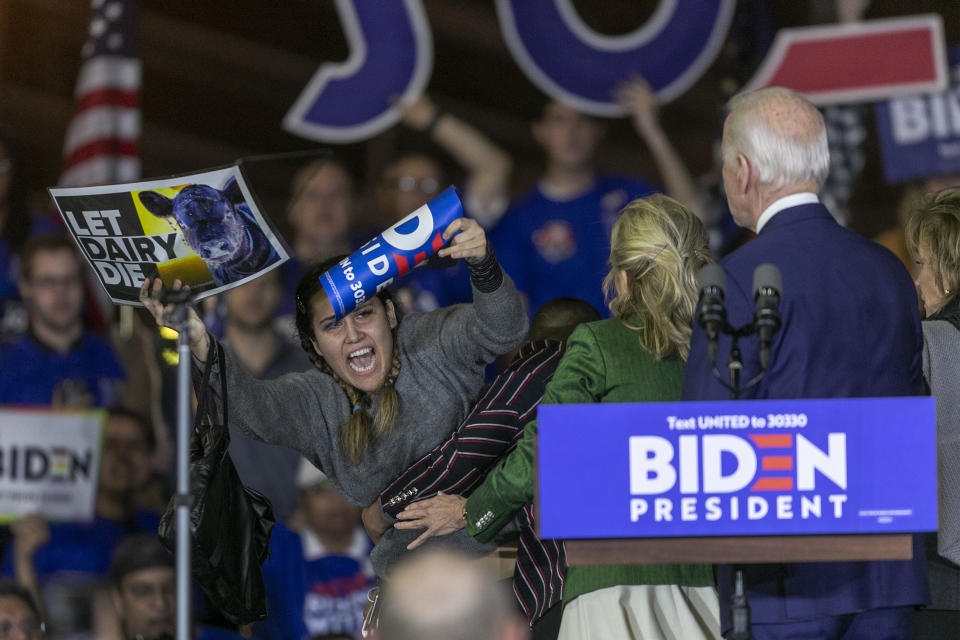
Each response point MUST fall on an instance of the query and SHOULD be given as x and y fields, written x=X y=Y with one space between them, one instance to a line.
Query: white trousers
x=643 y=612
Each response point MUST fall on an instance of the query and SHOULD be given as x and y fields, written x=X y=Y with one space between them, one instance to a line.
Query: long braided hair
x=361 y=430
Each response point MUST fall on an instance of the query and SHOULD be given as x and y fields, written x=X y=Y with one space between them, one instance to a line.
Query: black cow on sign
x=219 y=226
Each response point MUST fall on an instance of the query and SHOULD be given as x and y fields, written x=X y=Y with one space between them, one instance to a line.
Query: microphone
x=767 y=285
x=713 y=315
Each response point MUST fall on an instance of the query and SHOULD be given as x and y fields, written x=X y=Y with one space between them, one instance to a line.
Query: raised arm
x=29 y=534
x=640 y=103
x=496 y=321
x=291 y=411
x=487 y=165
x=150 y=293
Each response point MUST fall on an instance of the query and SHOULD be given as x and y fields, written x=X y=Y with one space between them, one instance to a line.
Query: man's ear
x=391 y=313
x=744 y=173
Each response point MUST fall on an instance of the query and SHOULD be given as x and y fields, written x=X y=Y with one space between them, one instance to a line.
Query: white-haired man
x=850 y=329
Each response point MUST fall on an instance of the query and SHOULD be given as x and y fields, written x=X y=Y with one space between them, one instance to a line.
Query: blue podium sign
x=760 y=467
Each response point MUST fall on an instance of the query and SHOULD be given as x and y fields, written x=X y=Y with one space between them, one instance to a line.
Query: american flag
x=101 y=143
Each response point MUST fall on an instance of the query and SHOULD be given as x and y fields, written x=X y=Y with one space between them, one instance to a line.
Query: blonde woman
x=657 y=248
x=933 y=239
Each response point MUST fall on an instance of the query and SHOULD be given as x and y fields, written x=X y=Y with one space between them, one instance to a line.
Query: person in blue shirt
x=317 y=582
x=58 y=362
x=554 y=242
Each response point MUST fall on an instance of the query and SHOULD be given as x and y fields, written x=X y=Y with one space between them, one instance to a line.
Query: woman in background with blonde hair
x=933 y=239
x=657 y=248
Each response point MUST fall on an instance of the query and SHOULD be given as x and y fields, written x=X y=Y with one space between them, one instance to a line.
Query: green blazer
x=604 y=362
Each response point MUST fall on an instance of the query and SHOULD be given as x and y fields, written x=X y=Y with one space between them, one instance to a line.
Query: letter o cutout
x=578 y=66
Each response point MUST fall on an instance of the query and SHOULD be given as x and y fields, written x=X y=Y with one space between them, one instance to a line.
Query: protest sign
x=202 y=228
x=379 y=262
x=920 y=134
x=762 y=467
x=49 y=463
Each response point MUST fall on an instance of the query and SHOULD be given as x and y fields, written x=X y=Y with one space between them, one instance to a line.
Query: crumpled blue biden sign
x=390 y=255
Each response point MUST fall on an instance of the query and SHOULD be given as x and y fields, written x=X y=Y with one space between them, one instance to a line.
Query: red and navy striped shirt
x=487 y=435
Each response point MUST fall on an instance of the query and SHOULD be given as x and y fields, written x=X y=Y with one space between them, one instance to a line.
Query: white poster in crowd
x=49 y=463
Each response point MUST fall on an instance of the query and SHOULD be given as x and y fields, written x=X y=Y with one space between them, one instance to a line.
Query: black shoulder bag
x=230 y=524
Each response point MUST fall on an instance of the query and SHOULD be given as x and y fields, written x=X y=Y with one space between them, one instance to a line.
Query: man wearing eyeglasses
x=144 y=592
x=414 y=178
x=57 y=363
x=144 y=588
x=20 y=618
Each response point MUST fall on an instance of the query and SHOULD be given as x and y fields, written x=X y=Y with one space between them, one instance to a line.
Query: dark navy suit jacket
x=851 y=328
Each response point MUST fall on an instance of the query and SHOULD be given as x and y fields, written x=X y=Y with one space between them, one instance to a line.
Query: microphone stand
x=740 y=607
x=179 y=318
x=767 y=286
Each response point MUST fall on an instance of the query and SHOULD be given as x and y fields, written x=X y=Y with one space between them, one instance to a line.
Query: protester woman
x=383 y=392
x=657 y=248
x=933 y=239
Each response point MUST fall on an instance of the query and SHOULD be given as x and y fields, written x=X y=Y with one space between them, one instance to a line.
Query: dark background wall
x=219 y=76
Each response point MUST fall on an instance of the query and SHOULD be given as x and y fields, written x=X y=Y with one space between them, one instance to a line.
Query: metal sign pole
x=179 y=319
x=183 y=482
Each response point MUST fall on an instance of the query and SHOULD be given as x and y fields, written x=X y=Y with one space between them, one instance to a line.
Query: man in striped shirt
x=487 y=435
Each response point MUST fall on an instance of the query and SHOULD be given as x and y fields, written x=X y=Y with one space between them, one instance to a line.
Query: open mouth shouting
x=357 y=347
x=362 y=361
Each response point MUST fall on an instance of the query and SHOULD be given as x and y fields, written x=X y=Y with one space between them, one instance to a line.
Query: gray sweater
x=941 y=368
x=442 y=354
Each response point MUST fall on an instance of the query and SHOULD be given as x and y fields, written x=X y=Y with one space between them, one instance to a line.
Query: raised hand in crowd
x=29 y=534
x=150 y=297
x=419 y=114
x=637 y=98
x=640 y=104
x=488 y=166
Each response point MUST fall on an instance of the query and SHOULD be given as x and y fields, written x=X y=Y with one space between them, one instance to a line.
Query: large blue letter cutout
x=574 y=64
x=391 y=54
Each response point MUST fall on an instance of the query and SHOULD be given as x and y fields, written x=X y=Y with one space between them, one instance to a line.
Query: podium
x=737 y=482
x=740 y=549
